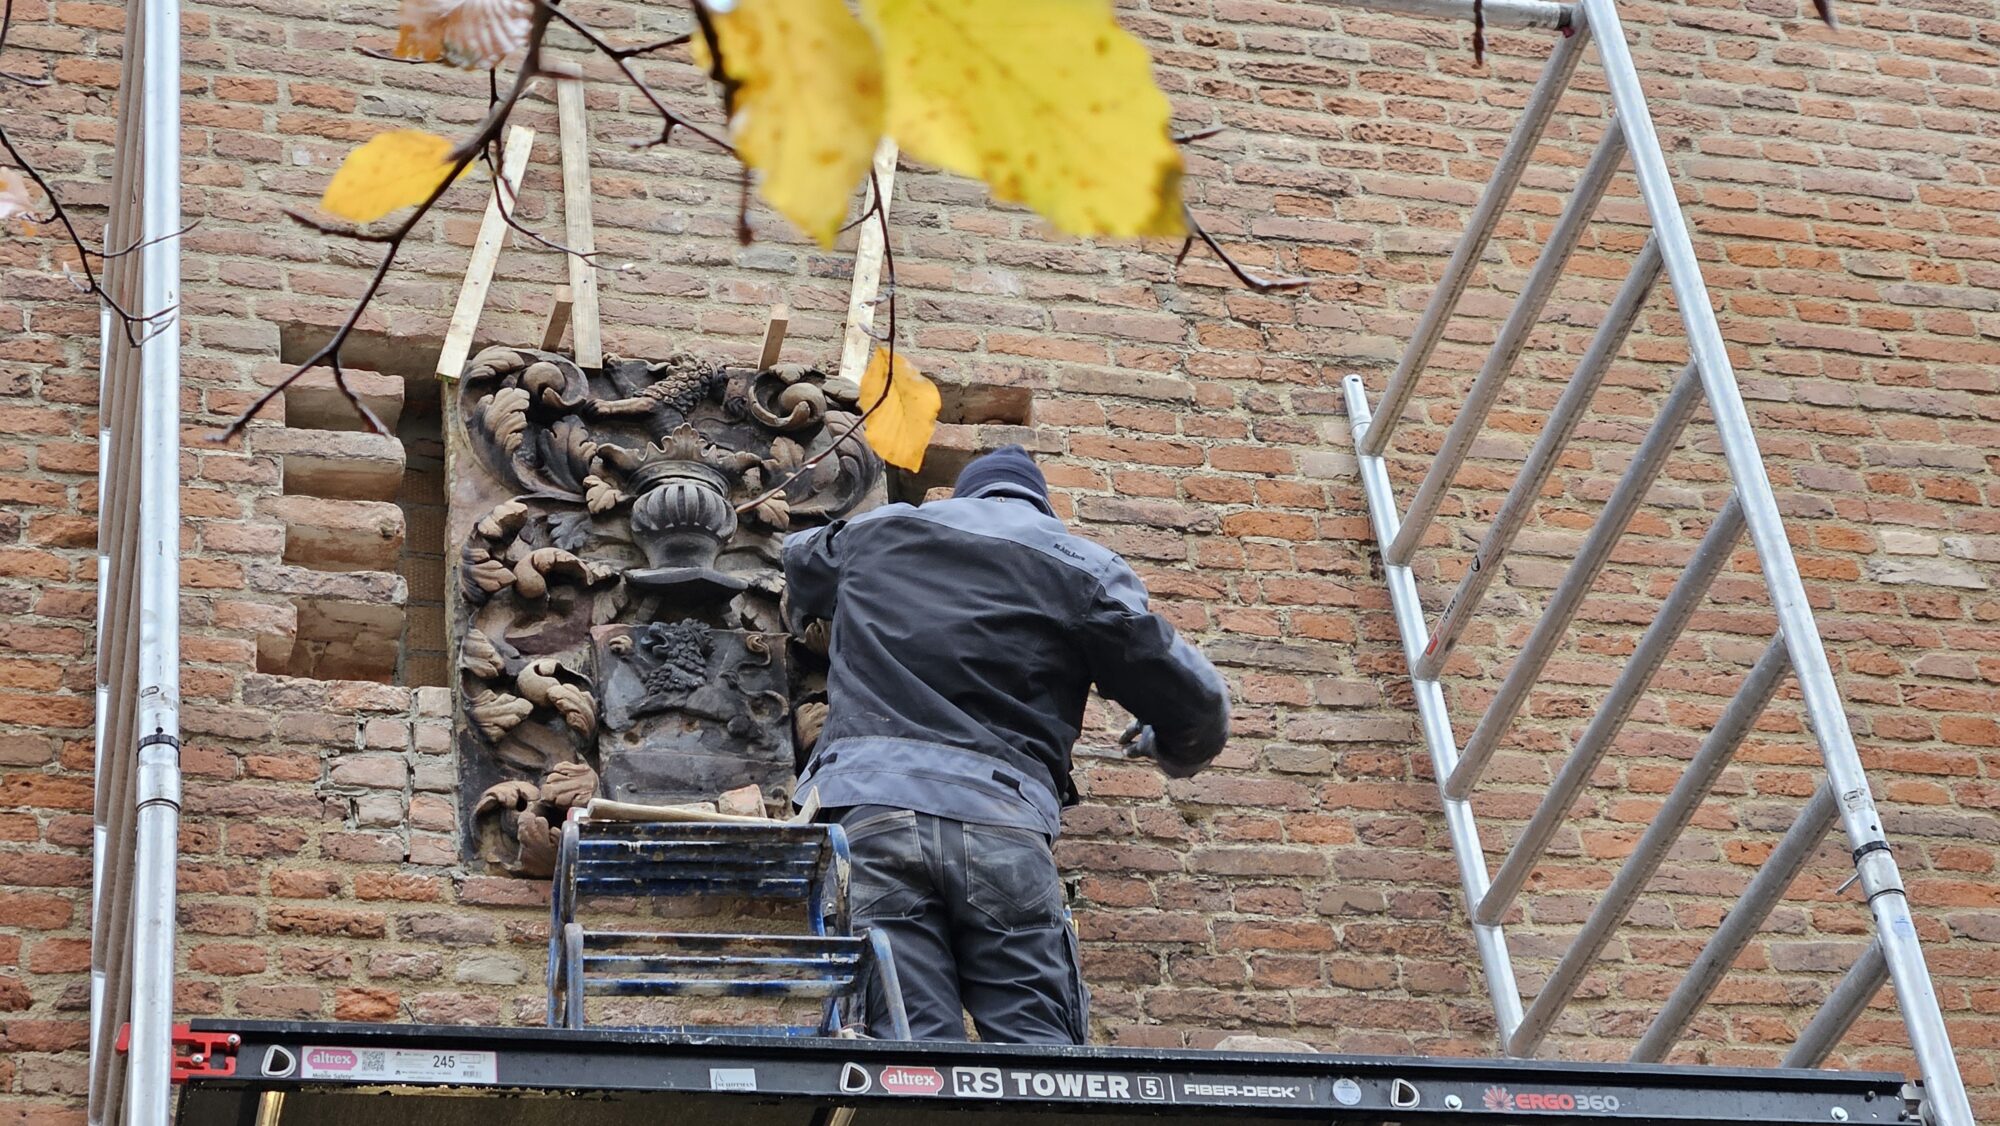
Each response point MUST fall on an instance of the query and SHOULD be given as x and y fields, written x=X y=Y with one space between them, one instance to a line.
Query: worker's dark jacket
x=966 y=636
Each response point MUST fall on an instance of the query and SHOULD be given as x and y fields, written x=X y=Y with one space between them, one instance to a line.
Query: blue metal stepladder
x=649 y=860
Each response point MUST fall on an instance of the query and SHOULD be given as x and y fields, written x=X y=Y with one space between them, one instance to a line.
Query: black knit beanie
x=1009 y=470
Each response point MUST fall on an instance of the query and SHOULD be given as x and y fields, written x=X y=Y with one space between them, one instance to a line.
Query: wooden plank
x=485 y=254
x=774 y=336
x=552 y=333
x=857 y=345
x=605 y=809
x=581 y=233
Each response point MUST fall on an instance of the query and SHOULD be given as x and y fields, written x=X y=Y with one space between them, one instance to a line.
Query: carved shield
x=689 y=711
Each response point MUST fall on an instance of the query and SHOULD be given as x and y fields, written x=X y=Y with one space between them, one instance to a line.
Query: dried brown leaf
x=15 y=200
x=474 y=34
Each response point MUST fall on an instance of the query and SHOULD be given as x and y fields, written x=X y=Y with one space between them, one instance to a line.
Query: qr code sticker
x=374 y=1061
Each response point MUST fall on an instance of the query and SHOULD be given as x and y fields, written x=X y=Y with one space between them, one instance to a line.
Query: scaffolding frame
x=1796 y=651
x=137 y=800
x=138 y=784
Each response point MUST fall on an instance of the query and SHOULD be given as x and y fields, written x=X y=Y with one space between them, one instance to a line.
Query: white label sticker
x=388 y=1065
x=732 y=1078
x=1346 y=1092
x=976 y=1082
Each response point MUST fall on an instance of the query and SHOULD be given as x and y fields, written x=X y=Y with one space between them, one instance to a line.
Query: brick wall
x=1843 y=187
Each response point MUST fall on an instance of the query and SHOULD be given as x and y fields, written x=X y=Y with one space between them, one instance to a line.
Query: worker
x=966 y=635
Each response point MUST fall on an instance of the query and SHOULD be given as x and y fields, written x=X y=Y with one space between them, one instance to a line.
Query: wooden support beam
x=581 y=233
x=858 y=345
x=774 y=336
x=485 y=253
x=552 y=333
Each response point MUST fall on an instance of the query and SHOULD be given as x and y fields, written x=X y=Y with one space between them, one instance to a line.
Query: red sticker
x=331 y=1059
x=913 y=1080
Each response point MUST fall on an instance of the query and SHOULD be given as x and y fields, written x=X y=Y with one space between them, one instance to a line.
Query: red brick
x=389 y=885
x=279 y=1001
x=289 y=883
x=327 y=921
x=230 y=959
x=366 y=1004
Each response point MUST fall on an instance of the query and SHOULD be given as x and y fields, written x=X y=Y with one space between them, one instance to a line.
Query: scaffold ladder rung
x=1596 y=739
x=1556 y=432
x=1795 y=652
x=1500 y=360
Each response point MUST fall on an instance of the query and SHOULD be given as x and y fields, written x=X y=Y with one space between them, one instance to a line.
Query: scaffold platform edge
x=308 y=1059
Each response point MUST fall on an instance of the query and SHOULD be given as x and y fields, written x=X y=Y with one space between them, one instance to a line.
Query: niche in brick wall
x=364 y=513
x=973 y=418
x=364 y=516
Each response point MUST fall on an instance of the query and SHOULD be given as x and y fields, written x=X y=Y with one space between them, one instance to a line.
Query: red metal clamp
x=202 y=1054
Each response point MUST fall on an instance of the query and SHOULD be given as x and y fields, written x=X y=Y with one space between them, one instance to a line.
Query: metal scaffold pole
x=138 y=786
x=1874 y=864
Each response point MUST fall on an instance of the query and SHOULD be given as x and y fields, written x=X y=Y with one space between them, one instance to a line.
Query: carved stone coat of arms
x=616 y=606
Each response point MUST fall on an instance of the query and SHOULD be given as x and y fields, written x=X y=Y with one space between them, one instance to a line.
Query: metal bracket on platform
x=196 y=1054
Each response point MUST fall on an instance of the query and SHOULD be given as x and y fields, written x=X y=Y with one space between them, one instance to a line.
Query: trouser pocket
x=1010 y=878
x=1079 y=1008
x=888 y=877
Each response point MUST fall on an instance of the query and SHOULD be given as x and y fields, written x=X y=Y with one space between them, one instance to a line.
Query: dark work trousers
x=975 y=917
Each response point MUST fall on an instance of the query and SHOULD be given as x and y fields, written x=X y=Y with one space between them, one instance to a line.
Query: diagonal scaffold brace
x=1795 y=653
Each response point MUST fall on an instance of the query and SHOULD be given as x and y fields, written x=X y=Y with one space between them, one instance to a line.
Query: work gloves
x=1140 y=743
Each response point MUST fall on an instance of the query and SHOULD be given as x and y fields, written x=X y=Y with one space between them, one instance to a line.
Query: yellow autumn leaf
x=899 y=429
x=806 y=105
x=1048 y=101
x=394 y=170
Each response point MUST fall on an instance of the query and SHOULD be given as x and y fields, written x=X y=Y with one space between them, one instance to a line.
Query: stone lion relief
x=615 y=614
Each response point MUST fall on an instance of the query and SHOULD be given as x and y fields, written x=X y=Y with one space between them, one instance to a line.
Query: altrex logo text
x=912 y=1080
x=332 y=1059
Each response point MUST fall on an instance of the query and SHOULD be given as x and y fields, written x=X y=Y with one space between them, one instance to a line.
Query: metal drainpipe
x=111 y=832
x=158 y=727
x=100 y=833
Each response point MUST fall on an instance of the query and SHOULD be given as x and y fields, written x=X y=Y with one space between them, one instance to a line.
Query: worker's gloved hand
x=1140 y=742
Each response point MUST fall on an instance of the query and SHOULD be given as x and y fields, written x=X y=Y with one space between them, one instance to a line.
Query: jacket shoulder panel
x=1017 y=523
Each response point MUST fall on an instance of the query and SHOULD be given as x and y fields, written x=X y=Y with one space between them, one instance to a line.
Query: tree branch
x=130 y=321
x=510 y=199
x=478 y=145
x=671 y=118
x=6 y=29
x=649 y=48
x=328 y=354
x=880 y=213
x=144 y=243
x=1254 y=281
